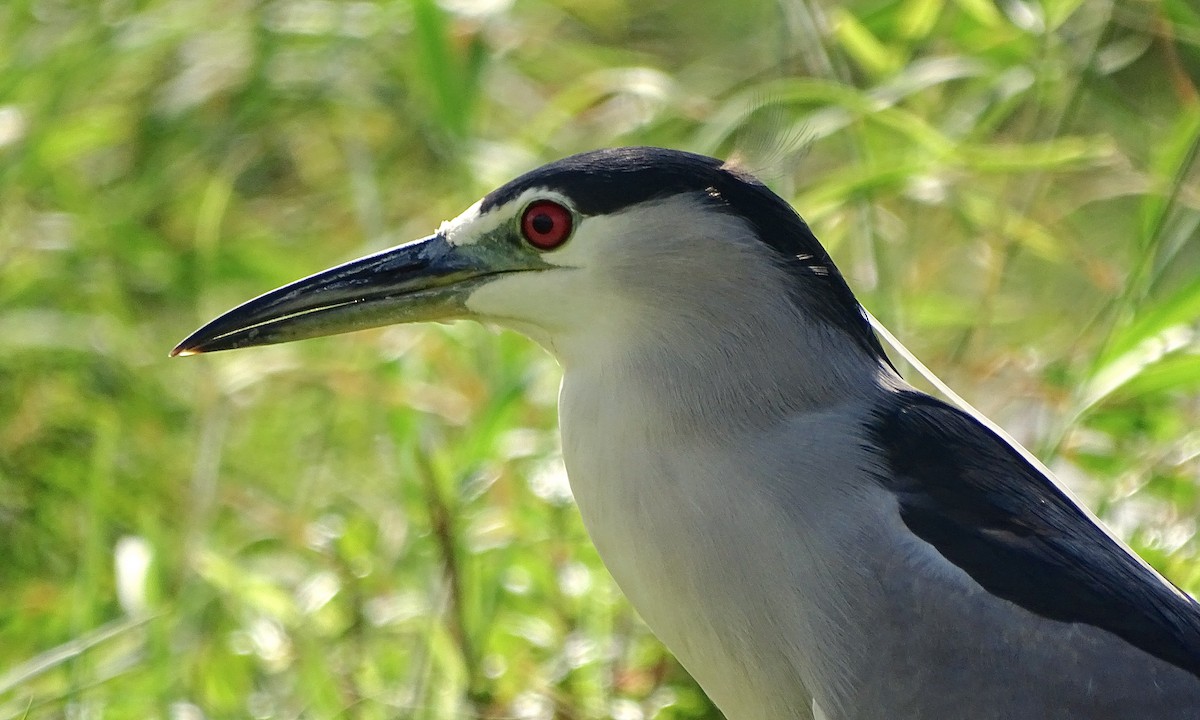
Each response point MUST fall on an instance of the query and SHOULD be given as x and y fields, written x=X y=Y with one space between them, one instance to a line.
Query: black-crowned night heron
x=807 y=533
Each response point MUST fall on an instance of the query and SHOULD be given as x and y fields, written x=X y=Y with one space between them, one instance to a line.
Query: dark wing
x=971 y=495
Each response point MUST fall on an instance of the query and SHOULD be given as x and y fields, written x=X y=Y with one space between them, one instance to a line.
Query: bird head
x=635 y=249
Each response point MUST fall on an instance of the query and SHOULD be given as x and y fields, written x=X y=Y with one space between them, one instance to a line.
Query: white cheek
x=592 y=235
x=545 y=299
x=557 y=299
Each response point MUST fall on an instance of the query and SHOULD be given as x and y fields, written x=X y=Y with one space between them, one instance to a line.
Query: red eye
x=546 y=224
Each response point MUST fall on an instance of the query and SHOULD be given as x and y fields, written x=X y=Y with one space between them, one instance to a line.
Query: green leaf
x=1176 y=373
x=861 y=44
x=1181 y=308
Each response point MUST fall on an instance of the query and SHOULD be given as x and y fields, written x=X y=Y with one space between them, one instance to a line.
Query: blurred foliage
x=377 y=525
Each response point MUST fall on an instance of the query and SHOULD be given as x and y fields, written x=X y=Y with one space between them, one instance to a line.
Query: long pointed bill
x=426 y=279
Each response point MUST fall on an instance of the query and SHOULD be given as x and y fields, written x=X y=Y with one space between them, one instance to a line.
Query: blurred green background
x=377 y=525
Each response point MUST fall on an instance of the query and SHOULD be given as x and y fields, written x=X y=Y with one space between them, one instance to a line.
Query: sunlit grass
x=376 y=525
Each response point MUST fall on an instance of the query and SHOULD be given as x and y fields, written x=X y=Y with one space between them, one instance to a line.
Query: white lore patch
x=472 y=225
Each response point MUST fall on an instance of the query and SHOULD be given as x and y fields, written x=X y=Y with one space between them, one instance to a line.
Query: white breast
x=734 y=549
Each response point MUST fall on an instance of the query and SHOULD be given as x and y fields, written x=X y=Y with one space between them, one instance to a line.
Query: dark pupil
x=542 y=224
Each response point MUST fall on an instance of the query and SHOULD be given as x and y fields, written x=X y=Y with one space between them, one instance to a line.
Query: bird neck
x=721 y=373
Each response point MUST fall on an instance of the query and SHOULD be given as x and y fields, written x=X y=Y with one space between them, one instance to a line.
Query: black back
x=603 y=182
x=971 y=495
